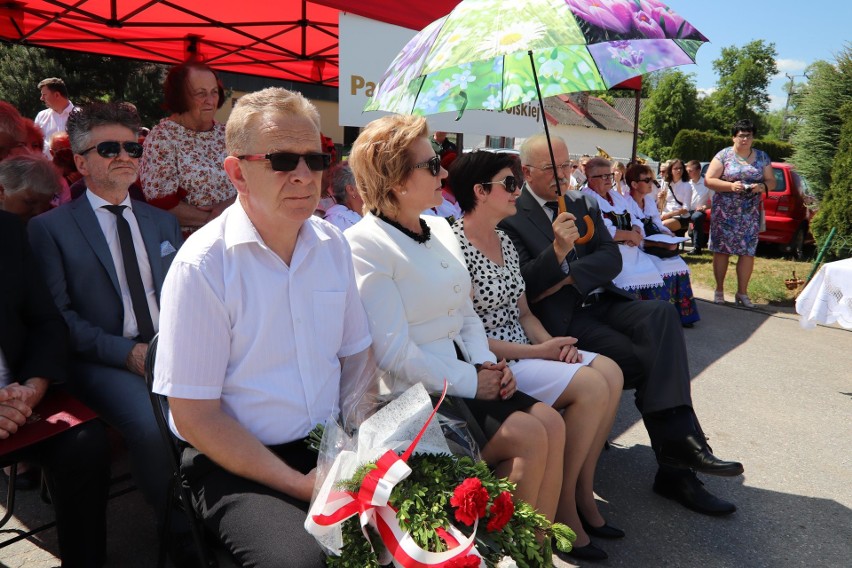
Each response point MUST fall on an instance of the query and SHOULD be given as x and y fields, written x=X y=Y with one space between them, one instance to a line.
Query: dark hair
x=471 y=169
x=744 y=125
x=636 y=171
x=84 y=119
x=54 y=85
x=669 y=177
x=176 y=87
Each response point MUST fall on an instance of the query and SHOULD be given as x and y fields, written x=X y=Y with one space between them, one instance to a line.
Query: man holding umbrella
x=571 y=291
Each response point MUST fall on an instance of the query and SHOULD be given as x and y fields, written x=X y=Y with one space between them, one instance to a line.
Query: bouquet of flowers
x=426 y=509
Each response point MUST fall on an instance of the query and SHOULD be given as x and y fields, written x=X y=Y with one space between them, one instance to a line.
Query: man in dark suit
x=33 y=354
x=571 y=291
x=105 y=257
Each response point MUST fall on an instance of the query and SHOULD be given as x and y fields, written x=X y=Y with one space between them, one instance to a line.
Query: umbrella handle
x=590 y=229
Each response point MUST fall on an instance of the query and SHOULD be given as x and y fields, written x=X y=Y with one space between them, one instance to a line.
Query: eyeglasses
x=549 y=169
x=645 y=180
x=111 y=149
x=509 y=183
x=289 y=161
x=744 y=136
x=605 y=177
x=433 y=164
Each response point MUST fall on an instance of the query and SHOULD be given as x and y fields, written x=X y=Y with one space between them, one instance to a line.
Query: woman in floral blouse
x=181 y=170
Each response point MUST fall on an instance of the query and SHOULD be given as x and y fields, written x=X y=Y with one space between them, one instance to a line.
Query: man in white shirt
x=105 y=257
x=701 y=201
x=262 y=332
x=54 y=95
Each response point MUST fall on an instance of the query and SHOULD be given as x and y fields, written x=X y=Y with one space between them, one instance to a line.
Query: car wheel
x=797 y=244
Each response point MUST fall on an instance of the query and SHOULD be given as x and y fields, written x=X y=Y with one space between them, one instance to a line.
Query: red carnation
x=470 y=499
x=469 y=561
x=502 y=510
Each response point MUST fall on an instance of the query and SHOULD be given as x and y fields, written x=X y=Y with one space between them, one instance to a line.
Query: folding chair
x=179 y=489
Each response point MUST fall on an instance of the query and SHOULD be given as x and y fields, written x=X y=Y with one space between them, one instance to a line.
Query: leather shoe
x=604 y=531
x=689 y=491
x=588 y=552
x=693 y=453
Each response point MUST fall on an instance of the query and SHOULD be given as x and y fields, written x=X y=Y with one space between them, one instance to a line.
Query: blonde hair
x=380 y=159
x=254 y=107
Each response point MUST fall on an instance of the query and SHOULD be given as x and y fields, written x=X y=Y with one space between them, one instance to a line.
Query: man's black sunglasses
x=111 y=149
x=433 y=163
x=288 y=161
x=509 y=183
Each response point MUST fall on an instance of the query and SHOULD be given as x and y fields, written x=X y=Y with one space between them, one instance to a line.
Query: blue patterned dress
x=735 y=223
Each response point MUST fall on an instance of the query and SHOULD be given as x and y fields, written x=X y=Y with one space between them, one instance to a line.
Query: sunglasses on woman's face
x=111 y=149
x=288 y=161
x=433 y=164
x=509 y=183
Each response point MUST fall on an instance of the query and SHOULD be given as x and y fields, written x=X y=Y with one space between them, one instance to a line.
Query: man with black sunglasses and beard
x=105 y=256
x=262 y=335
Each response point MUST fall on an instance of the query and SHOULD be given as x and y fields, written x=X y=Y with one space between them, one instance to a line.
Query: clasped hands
x=495 y=381
x=14 y=408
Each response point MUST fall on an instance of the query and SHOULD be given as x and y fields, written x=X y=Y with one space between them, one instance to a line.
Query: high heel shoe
x=718 y=297
x=604 y=531
x=743 y=300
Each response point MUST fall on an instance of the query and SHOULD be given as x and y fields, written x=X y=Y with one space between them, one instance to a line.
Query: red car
x=789 y=210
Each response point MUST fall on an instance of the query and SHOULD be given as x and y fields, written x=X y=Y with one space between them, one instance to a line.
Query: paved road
x=769 y=394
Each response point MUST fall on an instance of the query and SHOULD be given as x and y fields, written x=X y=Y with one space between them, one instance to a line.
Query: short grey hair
x=83 y=120
x=533 y=141
x=29 y=171
x=252 y=108
x=341 y=176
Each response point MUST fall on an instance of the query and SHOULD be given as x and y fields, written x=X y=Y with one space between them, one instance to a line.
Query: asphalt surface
x=768 y=393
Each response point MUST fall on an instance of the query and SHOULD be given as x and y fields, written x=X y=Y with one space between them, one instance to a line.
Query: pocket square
x=166 y=249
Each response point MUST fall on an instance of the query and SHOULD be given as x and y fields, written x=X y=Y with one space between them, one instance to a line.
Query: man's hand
x=14 y=411
x=306 y=487
x=136 y=359
x=565 y=232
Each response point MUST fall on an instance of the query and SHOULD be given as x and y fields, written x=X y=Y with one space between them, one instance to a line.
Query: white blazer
x=418 y=301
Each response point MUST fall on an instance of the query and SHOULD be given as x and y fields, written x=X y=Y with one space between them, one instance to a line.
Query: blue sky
x=803 y=32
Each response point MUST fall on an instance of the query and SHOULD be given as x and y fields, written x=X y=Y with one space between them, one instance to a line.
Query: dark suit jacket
x=598 y=261
x=33 y=335
x=75 y=259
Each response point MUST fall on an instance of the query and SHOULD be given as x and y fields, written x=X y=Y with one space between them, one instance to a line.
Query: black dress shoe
x=689 y=491
x=605 y=531
x=588 y=552
x=691 y=452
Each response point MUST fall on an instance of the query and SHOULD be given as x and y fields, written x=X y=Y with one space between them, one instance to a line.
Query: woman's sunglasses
x=288 y=161
x=111 y=149
x=509 y=183
x=433 y=164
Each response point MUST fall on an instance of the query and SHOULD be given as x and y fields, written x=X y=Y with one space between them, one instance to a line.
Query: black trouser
x=261 y=527
x=699 y=235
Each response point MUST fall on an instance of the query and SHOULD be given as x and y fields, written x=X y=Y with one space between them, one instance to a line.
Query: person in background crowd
x=181 y=169
x=442 y=144
x=738 y=175
x=618 y=182
x=13 y=135
x=449 y=208
x=701 y=202
x=35 y=137
x=677 y=199
x=348 y=208
x=571 y=292
x=28 y=183
x=105 y=257
x=579 y=173
x=54 y=95
x=142 y=134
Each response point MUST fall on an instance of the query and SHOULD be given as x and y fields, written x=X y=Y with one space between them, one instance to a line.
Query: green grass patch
x=767 y=280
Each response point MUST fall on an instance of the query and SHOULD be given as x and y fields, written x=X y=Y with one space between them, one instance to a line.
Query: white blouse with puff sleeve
x=418 y=302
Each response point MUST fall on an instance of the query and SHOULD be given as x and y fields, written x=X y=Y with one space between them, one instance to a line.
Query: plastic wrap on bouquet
x=403 y=426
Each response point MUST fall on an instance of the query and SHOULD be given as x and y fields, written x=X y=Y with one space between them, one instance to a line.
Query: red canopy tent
x=294 y=40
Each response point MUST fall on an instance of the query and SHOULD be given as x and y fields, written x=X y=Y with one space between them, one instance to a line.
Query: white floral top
x=180 y=164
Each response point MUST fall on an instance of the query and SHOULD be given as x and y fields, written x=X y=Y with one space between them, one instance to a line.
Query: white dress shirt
x=683 y=191
x=109 y=226
x=240 y=325
x=419 y=300
x=341 y=216
x=52 y=122
x=701 y=194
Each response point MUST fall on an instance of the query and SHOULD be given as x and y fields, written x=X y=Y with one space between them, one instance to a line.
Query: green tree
x=742 y=89
x=88 y=77
x=836 y=206
x=671 y=107
x=818 y=134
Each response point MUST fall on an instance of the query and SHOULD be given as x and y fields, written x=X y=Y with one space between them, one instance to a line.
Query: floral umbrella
x=493 y=54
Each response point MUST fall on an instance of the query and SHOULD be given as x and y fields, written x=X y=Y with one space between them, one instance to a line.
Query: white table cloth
x=827 y=298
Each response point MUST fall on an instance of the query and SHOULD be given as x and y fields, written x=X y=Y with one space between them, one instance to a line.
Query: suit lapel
x=532 y=211
x=84 y=216
x=150 y=234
